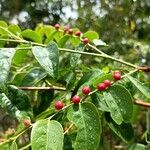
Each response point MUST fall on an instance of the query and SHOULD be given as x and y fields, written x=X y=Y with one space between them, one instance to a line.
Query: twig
x=69 y=128
x=142 y=103
x=43 y=88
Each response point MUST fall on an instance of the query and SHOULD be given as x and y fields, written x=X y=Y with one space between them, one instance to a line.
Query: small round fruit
x=78 y=33
x=76 y=99
x=85 y=41
x=107 y=83
x=70 y=31
x=66 y=28
x=101 y=87
x=59 y=105
x=117 y=76
x=86 y=90
x=57 y=26
x=117 y=71
x=27 y=123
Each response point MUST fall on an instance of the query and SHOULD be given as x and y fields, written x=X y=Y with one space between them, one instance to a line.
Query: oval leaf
x=48 y=58
x=32 y=35
x=91 y=35
x=87 y=120
x=144 y=90
x=47 y=135
x=119 y=101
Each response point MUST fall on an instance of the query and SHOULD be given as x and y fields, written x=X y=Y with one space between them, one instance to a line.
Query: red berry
x=76 y=99
x=117 y=76
x=78 y=33
x=85 y=41
x=107 y=83
x=27 y=123
x=101 y=86
x=66 y=28
x=57 y=26
x=70 y=31
x=117 y=71
x=86 y=90
x=59 y=105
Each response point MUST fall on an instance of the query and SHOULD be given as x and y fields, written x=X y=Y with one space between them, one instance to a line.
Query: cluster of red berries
x=70 y=31
x=86 y=90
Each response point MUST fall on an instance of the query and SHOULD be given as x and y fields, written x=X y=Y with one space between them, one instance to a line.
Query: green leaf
x=99 y=42
x=18 y=98
x=87 y=79
x=137 y=147
x=13 y=146
x=58 y=36
x=119 y=101
x=99 y=101
x=50 y=37
x=22 y=55
x=75 y=41
x=5 y=63
x=33 y=76
x=15 y=29
x=6 y=104
x=74 y=58
x=144 y=90
x=124 y=131
x=63 y=41
x=87 y=120
x=101 y=78
x=3 y=24
x=47 y=135
x=91 y=35
x=48 y=58
x=31 y=35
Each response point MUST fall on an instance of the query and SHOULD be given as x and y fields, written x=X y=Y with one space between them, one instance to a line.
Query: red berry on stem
x=101 y=87
x=86 y=90
x=27 y=122
x=85 y=41
x=66 y=28
x=117 y=76
x=78 y=33
x=59 y=105
x=107 y=83
x=57 y=26
x=76 y=99
x=70 y=31
x=117 y=71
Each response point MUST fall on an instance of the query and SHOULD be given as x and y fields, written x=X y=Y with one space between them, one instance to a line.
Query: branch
x=141 y=103
x=43 y=88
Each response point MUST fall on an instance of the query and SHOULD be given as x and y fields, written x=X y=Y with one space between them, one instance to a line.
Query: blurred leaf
x=99 y=42
x=15 y=29
x=87 y=120
x=5 y=63
x=63 y=41
x=143 y=89
x=91 y=35
x=13 y=146
x=58 y=35
x=119 y=101
x=4 y=25
x=124 y=131
x=6 y=104
x=75 y=41
x=18 y=98
x=33 y=76
x=50 y=37
x=74 y=58
x=31 y=35
x=48 y=58
x=47 y=135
